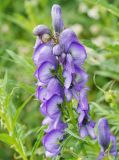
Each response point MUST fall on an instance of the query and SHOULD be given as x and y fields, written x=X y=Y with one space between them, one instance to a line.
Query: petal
x=40 y=30
x=66 y=38
x=90 y=130
x=43 y=109
x=52 y=105
x=68 y=94
x=62 y=58
x=83 y=102
x=47 y=120
x=68 y=79
x=49 y=154
x=51 y=139
x=54 y=87
x=113 y=149
x=69 y=66
x=56 y=123
x=81 y=118
x=57 y=21
x=101 y=155
x=40 y=84
x=43 y=73
x=43 y=53
x=92 y=123
x=78 y=53
x=57 y=50
x=103 y=133
x=81 y=78
x=83 y=131
x=75 y=93
x=41 y=93
x=38 y=42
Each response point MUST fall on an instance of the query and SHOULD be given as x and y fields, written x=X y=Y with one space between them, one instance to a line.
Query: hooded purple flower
x=75 y=79
x=44 y=72
x=40 y=30
x=67 y=37
x=78 y=53
x=42 y=53
x=105 y=139
x=54 y=123
x=83 y=102
x=86 y=125
x=50 y=142
x=43 y=34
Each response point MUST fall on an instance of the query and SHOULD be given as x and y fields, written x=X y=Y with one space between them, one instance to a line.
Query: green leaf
x=7 y=139
x=21 y=61
x=9 y=97
x=108 y=74
x=38 y=141
x=21 y=21
x=18 y=111
x=74 y=135
x=107 y=6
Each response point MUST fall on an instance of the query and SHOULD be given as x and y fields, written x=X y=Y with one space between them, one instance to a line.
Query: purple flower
x=104 y=133
x=41 y=93
x=75 y=79
x=75 y=82
x=81 y=78
x=83 y=102
x=66 y=38
x=57 y=21
x=54 y=123
x=50 y=93
x=52 y=105
x=40 y=30
x=105 y=139
x=51 y=140
x=113 y=150
x=86 y=125
x=54 y=87
x=44 y=72
x=68 y=71
x=78 y=53
x=57 y=50
x=42 y=54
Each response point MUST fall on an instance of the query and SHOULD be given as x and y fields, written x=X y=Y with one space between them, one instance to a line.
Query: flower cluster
x=105 y=139
x=50 y=91
x=72 y=56
x=59 y=57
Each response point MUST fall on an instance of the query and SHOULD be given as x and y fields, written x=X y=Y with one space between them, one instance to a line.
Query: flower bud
x=57 y=21
x=103 y=133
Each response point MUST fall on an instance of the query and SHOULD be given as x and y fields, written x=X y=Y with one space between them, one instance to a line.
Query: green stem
x=71 y=114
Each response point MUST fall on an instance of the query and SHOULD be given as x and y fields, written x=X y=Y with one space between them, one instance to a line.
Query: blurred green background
x=97 y=26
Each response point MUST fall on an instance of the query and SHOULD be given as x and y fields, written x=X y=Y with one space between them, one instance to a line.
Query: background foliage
x=96 y=23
